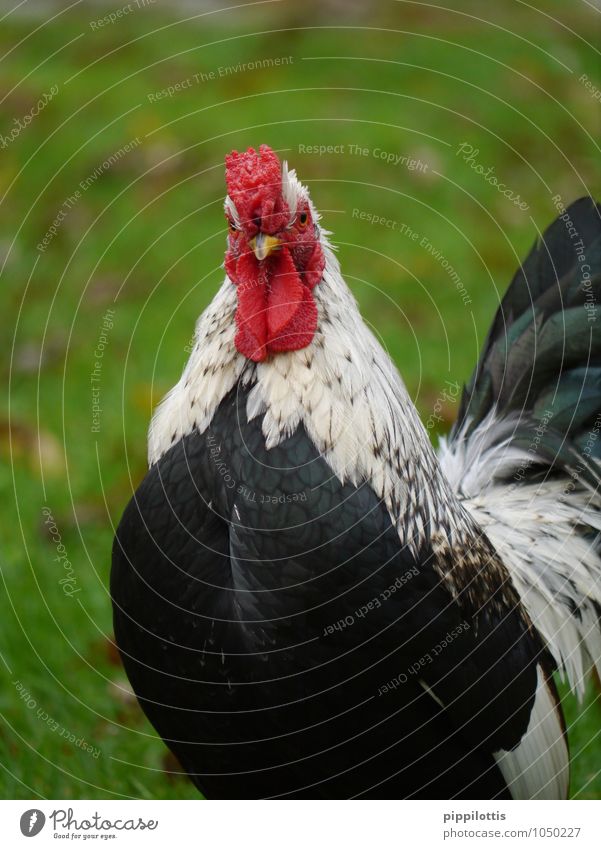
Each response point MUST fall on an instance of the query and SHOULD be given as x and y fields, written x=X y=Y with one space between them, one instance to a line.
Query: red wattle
x=251 y=315
x=284 y=293
x=300 y=330
x=276 y=310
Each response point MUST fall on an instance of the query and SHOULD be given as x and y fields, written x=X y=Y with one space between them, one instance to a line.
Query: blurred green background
x=124 y=179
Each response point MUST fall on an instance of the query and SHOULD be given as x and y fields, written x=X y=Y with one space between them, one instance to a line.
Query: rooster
x=309 y=601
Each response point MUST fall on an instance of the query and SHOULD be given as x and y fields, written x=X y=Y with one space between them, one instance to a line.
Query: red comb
x=254 y=183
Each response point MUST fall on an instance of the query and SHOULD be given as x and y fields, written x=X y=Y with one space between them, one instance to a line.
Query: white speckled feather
x=547 y=536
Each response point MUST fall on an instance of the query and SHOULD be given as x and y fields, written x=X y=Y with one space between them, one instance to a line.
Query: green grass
x=147 y=237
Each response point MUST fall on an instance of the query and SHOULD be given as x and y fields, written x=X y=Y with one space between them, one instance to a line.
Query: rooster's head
x=274 y=255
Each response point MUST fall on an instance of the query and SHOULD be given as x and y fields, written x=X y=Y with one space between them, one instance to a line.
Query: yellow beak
x=263 y=245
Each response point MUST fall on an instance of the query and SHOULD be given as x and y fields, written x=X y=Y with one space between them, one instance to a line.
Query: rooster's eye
x=232 y=226
x=303 y=218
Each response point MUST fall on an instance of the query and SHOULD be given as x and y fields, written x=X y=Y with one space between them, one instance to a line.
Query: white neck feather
x=342 y=387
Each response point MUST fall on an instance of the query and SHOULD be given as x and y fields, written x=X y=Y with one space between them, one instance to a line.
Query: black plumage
x=242 y=632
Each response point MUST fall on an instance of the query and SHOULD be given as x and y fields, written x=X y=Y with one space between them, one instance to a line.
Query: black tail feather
x=542 y=357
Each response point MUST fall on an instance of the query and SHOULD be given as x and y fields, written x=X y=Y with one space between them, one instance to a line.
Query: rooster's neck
x=342 y=388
